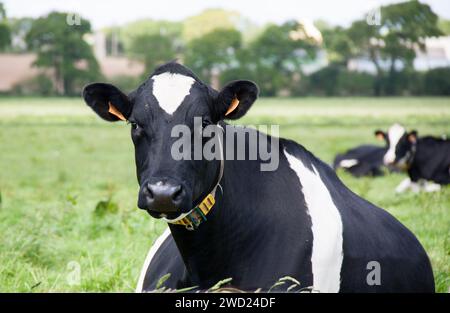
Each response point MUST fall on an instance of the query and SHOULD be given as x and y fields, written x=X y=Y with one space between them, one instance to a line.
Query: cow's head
x=400 y=144
x=171 y=96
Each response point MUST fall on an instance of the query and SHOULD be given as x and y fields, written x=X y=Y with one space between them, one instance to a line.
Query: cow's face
x=400 y=145
x=170 y=97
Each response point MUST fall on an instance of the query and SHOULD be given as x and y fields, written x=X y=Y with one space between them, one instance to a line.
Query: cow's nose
x=162 y=197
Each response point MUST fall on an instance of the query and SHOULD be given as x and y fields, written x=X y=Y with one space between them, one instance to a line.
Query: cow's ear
x=235 y=99
x=412 y=136
x=107 y=101
x=381 y=135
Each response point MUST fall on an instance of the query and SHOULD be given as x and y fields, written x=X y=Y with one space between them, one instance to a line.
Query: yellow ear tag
x=233 y=106
x=113 y=110
x=412 y=138
x=379 y=137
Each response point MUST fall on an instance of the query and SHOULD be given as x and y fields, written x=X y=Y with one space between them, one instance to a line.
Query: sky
x=103 y=13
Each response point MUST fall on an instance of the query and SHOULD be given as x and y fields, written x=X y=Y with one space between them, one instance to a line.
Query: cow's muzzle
x=161 y=197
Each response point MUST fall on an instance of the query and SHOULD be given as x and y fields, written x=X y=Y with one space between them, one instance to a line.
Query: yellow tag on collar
x=198 y=214
x=207 y=204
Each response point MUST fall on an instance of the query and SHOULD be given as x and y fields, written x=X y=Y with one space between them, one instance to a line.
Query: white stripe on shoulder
x=159 y=241
x=327 y=251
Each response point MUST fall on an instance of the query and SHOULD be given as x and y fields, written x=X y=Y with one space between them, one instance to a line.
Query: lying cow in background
x=299 y=220
x=364 y=160
x=425 y=159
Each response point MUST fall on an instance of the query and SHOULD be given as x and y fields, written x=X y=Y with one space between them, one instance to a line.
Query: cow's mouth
x=401 y=164
x=165 y=215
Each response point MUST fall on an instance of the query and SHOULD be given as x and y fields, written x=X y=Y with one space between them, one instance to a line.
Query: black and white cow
x=299 y=220
x=425 y=159
x=364 y=160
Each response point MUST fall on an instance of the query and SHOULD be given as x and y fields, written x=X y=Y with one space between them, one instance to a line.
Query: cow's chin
x=154 y=214
x=401 y=165
x=165 y=215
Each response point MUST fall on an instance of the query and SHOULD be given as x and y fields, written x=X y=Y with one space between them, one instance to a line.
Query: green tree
x=213 y=52
x=152 y=49
x=366 y=44
x=61 y=48
x=338 y=44
x=403 y=28
x=437 y=81
x=276 y=57
x=19 y=29
x=444 y=26
x=5 y=32
x=209 y=20
x=128 y=34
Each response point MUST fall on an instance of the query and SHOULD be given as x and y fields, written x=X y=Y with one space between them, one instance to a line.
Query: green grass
x=58 y=160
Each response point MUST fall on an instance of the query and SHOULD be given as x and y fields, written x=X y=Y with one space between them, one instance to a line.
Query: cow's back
x=431 y=160
x=361 y=161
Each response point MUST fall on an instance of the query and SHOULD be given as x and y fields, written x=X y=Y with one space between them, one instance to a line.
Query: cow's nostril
x=177 y=194
x=149 y=191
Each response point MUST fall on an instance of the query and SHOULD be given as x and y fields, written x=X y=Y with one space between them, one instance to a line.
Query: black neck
x=241 y=237
x=230 y=222
x=204 y=249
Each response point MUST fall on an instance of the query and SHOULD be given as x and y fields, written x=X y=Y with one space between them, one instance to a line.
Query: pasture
x=69 y=191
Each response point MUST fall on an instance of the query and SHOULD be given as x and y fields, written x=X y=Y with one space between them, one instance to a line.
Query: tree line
x=222 y=45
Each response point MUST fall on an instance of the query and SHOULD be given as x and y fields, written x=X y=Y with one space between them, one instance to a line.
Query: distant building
x=437 y=54
x=17 y=68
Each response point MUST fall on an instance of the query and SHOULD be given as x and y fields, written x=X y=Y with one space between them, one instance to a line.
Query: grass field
x=58 y=160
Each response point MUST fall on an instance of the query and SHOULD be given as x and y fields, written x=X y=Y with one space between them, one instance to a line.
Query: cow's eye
x=135 y=128
x=134 y=125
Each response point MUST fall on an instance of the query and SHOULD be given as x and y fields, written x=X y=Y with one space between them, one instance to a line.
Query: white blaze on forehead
x=327 y=251
x=170 y=89
x=395 y=132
